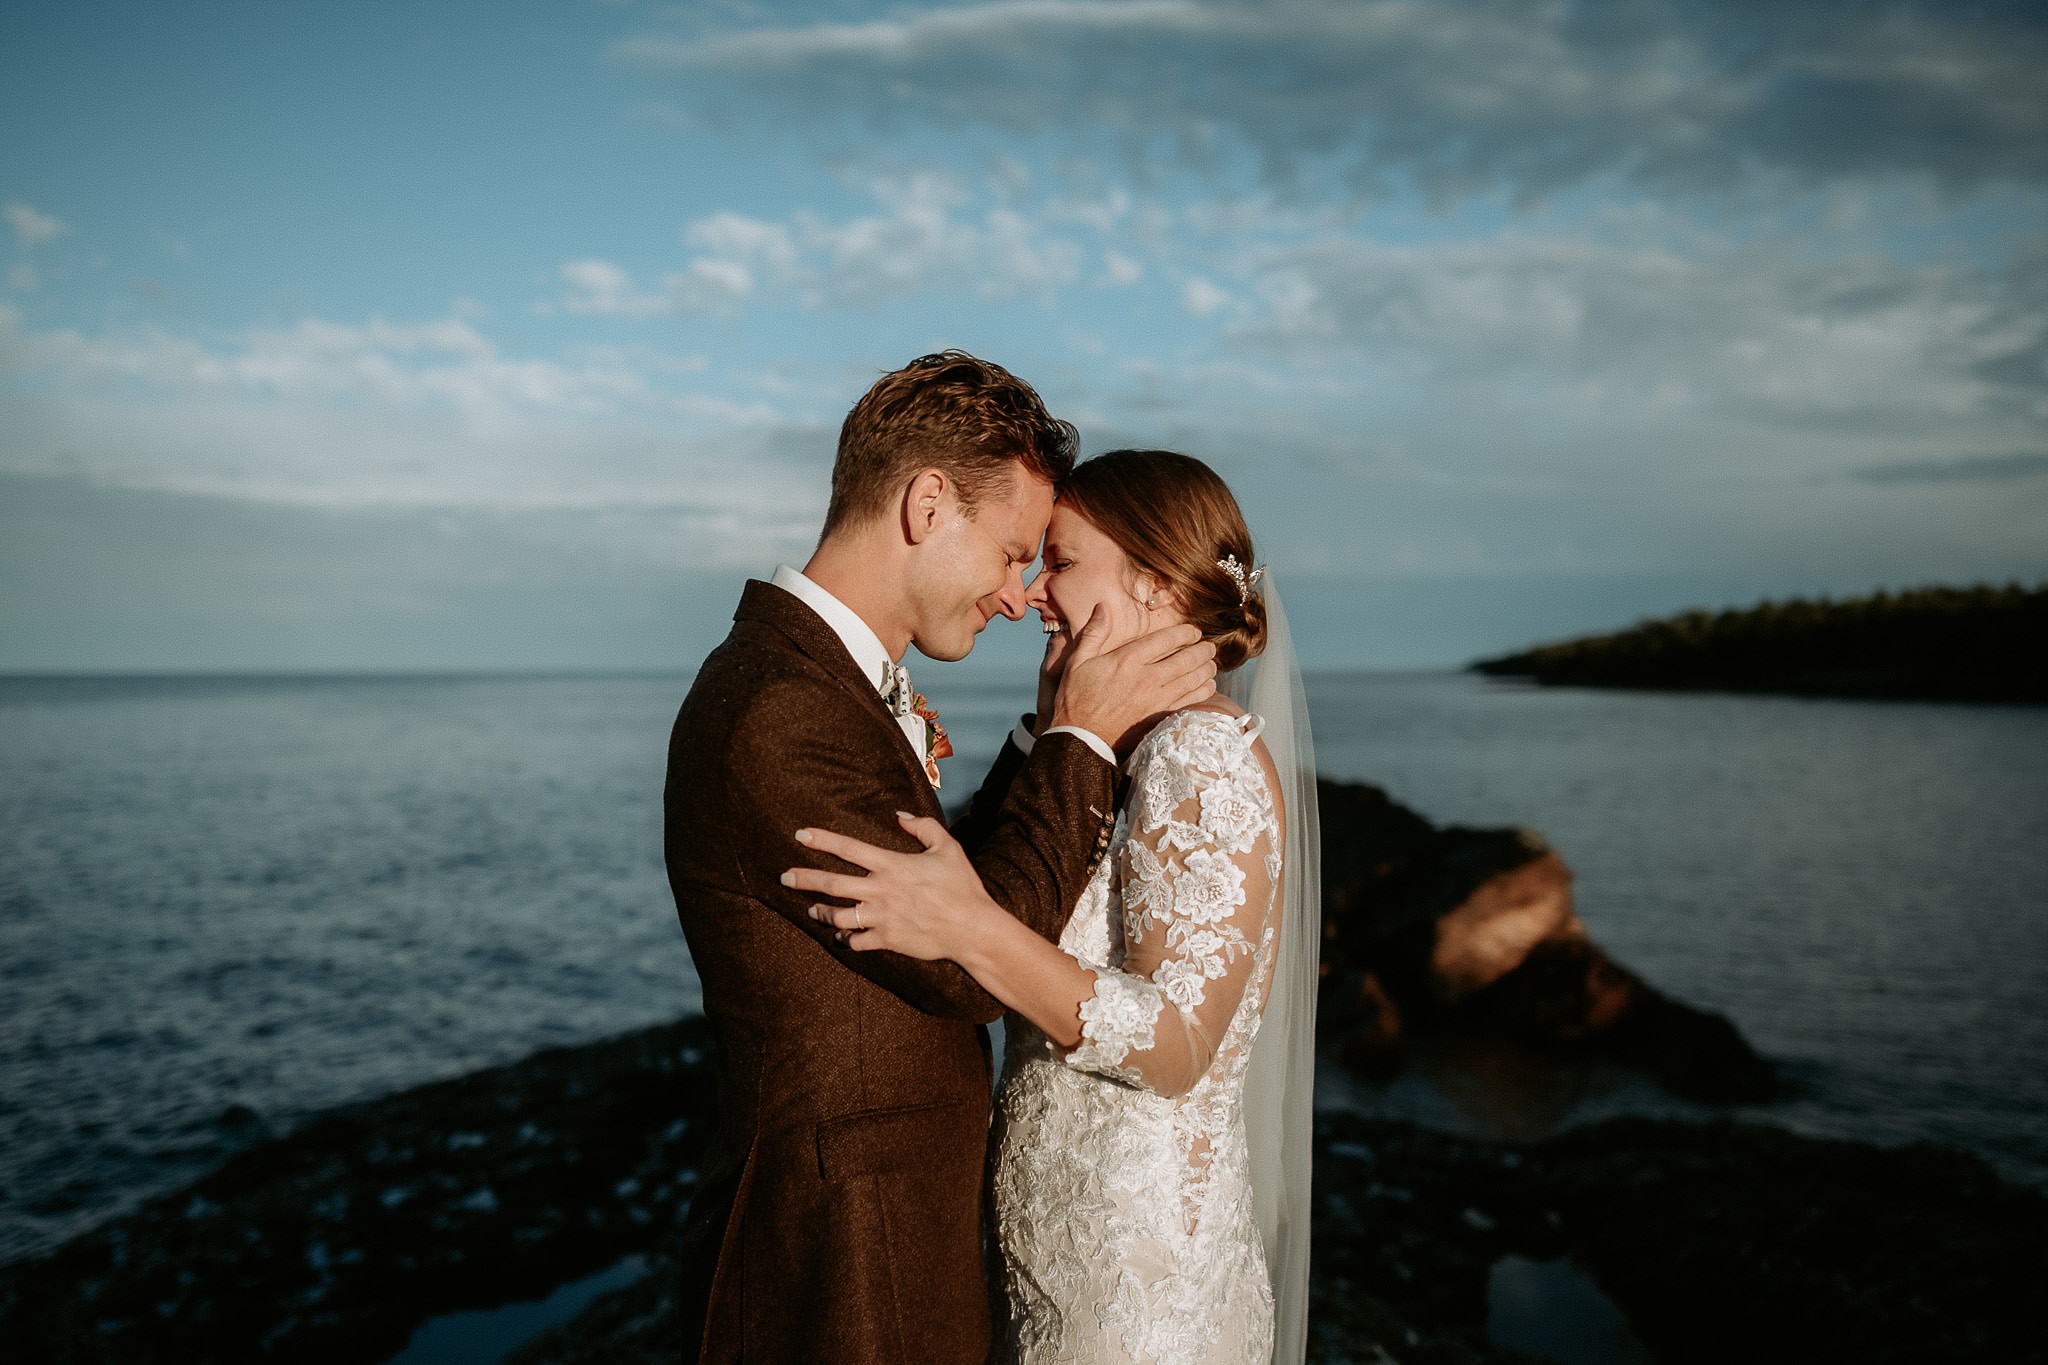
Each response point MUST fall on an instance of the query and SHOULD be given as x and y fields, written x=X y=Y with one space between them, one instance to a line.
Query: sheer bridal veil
x=1280 y=1079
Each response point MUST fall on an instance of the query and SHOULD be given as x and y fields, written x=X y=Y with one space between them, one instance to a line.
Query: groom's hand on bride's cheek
x=1114 y=693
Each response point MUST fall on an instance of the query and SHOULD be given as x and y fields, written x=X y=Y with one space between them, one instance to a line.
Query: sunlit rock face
x=1428 y=931
x=1499 y=924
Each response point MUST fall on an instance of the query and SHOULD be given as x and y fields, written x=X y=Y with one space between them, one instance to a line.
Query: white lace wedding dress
x=1123 y=1205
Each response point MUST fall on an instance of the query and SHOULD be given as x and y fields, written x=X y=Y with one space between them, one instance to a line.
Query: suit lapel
x=806 y=631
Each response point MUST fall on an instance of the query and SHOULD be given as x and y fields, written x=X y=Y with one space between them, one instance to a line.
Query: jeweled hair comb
x=1245 y=581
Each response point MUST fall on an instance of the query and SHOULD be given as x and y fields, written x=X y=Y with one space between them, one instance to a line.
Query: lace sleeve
x=1198 y=874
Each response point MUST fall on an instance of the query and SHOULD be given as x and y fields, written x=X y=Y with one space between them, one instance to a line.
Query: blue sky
x=516 y=335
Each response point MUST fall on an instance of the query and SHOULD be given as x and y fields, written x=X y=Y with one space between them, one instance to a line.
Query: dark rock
x=637 y=1325
x=335 y=1243
x=1462 y=930
x=1717 y=1242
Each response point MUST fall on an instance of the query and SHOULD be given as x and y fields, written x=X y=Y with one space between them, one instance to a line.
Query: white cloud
x=32 y=228
x=602 y=288
x=1103 y=210
x=1203 y=298
x=921 y=241
x=445 y=362
x=1768 y=330
x=923 y=238
x=1457 y=97
x=739 y=258
x=764 y=249
x=1119 y=270
x=422 y=413
x=913 y=243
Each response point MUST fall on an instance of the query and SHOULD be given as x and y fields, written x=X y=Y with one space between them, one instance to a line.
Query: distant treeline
x=1942 y=644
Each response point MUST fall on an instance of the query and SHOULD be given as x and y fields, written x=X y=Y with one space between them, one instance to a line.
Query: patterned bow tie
x=896 y=691
x=920 y=723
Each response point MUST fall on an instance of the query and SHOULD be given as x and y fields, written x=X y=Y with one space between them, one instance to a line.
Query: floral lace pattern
x=1121 y=1177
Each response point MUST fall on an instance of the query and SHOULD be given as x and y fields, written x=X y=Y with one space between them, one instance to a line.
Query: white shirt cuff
x=1087 y=737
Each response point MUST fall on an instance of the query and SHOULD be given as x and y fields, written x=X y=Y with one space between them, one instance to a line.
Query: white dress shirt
x=866 y=648
x=859 y=638
x=876 y=665
x=1024 y=739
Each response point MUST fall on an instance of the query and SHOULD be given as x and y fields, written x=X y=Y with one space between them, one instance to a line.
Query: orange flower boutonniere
x=936 y=745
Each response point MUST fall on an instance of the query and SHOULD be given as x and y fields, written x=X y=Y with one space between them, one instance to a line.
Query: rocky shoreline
x=1722 y=1242
x=1718 y=1241
x=1433 y=931
x=335 y=1243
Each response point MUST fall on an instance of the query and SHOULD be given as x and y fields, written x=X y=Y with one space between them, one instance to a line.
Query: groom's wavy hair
x=950 y=411
x=1177 y=520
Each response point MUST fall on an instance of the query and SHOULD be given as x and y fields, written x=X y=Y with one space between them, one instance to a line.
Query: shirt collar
x=859 y=638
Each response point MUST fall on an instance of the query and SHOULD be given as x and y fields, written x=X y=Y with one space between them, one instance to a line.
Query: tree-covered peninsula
x=1987 y=644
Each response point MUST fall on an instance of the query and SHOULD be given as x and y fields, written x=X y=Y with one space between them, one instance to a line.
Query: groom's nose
x=1010 y=598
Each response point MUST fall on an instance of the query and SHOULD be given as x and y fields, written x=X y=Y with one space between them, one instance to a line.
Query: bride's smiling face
x=1082 y=569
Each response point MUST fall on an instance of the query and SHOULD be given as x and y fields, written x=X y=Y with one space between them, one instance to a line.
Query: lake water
x=1861 y=886
x=228 y=903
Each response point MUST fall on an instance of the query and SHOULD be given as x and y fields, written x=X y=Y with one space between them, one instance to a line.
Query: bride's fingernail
x=816 y=912
x=789 y=878
x=905 y=815
x=803 y=836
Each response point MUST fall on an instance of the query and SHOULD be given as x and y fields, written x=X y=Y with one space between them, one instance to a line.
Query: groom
x=840 y=1219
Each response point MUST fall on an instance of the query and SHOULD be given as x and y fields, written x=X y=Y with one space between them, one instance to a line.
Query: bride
x=1150 y=1170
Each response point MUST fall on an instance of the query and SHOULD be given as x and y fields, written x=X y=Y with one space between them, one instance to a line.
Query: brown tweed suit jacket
x=840 y=1219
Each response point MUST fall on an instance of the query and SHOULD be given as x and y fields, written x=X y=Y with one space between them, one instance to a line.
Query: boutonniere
x=936 y=745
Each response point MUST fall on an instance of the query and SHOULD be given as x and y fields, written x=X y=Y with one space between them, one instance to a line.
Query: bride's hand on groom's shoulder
x=923 y=905
x=1116 y=693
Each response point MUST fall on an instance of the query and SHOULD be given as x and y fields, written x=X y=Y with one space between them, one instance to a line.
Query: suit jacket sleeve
x=978 y=819
x=1034 y=851
x=1038 y=824
x=833 y=780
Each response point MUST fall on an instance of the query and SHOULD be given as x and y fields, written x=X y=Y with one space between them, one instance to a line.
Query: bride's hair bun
x=1178 y=522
